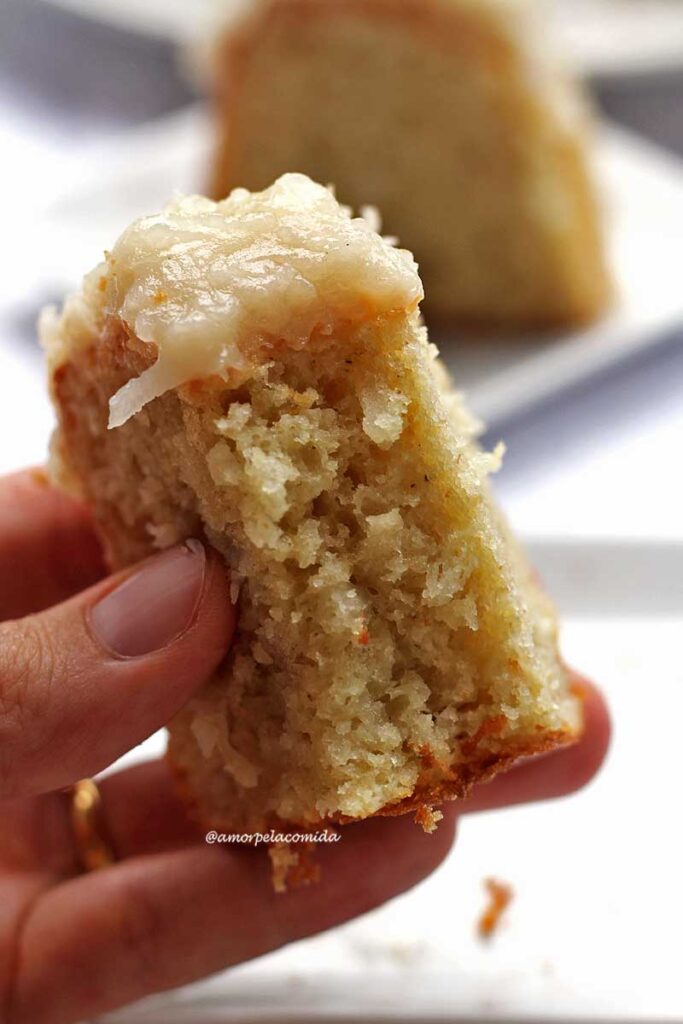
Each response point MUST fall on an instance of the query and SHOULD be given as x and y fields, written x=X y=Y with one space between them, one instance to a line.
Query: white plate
x=643 y=190
x=598 y=36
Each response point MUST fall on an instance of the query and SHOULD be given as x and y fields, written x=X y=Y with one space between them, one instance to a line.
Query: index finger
x=48 y=548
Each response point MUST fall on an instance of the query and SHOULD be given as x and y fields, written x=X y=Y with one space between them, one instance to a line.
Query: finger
x=141 y=813
x=551 y=775
x=18 y=893
x=150 y=924
x=48 y=550
x=37 y=835
x=87 y=680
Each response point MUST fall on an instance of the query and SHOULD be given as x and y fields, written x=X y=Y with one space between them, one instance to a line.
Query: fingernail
x=154 y=606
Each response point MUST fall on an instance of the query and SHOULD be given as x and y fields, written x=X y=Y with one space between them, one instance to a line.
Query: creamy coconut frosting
x=213 y=285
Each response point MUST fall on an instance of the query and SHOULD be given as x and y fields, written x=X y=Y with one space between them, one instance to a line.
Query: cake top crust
x=215 y=286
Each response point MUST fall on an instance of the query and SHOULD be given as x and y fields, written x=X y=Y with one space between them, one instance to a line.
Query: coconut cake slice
x=254 y=372
x=456 y=118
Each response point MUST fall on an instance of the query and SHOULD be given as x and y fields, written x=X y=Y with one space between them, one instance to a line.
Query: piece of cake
x=451 y=118
x=254 y=372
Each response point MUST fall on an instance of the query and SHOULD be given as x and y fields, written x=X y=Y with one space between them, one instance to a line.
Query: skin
x=73 y=945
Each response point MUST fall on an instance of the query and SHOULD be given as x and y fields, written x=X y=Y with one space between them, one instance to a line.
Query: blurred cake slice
x=449 y=116
x=254 y=372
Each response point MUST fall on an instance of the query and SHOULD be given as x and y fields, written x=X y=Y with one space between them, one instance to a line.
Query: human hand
x=85 y=674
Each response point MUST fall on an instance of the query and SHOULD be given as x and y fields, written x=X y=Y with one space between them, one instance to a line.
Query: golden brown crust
x=294 y=866
x=429 y=791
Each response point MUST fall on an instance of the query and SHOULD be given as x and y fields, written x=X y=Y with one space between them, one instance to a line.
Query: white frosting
x=215 y=285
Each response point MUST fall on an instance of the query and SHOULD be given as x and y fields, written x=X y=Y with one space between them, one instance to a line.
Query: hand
x=84 y=678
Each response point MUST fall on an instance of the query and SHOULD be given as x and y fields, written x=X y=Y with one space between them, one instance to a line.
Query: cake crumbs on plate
x=499 y=898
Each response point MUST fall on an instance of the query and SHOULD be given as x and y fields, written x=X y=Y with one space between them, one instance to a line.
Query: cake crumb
x=235 y=587
x=500 y=896
x=292 y=867
x=39 y=476
x=427 y=818
x=578 y=689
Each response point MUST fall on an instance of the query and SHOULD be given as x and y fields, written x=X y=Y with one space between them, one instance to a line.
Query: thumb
x=87 y=680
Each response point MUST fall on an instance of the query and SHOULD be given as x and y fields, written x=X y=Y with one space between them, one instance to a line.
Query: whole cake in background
x=448 y=116
x=254 y=372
